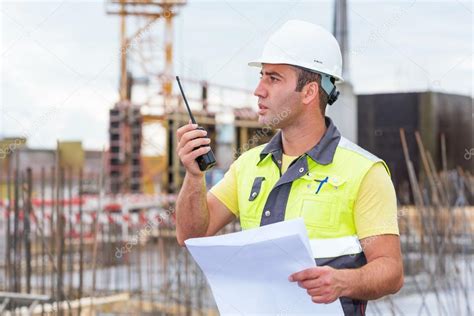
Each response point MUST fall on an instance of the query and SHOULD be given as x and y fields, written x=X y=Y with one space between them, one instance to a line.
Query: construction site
x=92 y=232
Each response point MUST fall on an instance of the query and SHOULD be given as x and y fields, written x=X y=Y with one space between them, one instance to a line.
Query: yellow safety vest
x=321 y=186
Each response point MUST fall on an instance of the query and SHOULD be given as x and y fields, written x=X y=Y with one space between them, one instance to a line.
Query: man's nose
x=260 y=91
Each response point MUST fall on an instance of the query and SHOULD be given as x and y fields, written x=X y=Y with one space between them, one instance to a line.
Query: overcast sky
x=60 y=66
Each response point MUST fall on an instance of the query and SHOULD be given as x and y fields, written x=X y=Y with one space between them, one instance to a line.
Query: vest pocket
x=250 y=208
x=321 y=201
x=320 y=212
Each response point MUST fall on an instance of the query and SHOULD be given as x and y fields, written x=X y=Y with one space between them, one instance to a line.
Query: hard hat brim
x=259 y=63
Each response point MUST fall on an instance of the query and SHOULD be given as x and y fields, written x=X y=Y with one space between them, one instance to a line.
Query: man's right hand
x=189 y=141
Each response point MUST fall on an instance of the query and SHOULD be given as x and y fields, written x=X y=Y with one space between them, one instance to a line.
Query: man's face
x=278 y=102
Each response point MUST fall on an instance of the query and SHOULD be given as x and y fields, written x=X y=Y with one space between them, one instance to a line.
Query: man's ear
x=310 y=93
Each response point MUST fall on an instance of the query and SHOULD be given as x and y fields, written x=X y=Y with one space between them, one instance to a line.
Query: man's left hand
x=323 y=284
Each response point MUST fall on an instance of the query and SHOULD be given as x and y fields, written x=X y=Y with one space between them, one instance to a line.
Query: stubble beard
x=279 y=118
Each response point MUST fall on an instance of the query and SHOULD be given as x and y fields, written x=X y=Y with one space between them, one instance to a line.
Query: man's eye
x=273 y=79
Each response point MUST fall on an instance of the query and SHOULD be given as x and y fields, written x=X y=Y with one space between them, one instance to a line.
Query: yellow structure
x=71 y=155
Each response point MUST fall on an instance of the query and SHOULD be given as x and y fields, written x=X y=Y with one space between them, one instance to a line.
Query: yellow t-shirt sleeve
x=226 y=190
x=375 y=209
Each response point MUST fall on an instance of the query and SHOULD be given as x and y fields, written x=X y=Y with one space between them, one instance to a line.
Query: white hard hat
x=305 y=45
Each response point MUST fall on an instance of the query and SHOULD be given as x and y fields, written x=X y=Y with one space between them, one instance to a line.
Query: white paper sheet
x=248 y=271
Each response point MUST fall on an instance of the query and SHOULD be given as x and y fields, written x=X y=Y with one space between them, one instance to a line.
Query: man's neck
x=298 y=139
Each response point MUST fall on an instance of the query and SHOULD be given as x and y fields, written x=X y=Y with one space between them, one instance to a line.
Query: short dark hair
x=304 y=77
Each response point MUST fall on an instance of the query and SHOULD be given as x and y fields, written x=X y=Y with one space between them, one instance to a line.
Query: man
x=344 y=194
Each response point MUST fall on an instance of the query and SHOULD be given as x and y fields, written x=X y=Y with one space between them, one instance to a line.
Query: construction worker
x=343 y=193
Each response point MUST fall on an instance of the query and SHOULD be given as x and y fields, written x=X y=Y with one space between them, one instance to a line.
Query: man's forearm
x=192 y=215
x=378 y=278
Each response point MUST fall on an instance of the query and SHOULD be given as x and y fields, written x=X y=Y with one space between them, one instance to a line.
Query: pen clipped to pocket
x=321 y=183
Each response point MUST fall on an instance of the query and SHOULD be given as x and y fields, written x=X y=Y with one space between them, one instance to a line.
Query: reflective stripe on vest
x=335 y=247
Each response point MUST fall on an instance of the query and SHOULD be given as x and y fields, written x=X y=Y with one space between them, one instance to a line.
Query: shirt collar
x=322 y=152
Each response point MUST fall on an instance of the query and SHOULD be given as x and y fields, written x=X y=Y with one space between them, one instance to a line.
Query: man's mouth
x=262 y=109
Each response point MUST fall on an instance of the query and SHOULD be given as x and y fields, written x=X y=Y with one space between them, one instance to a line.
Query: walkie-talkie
x=206 y=161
